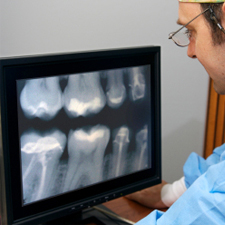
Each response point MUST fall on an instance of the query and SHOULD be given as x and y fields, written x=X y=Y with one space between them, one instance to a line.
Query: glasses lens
x=181 y=39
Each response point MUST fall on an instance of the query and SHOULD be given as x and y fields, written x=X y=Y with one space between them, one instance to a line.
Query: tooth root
x=116 y=93
x=41 y=98
x=40 y=158
x=120 y=146
x=86 y=150
x=141 y=149
x=137 y=83
x=84 y=95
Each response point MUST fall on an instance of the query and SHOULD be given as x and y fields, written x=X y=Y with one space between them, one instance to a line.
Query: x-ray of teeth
x=116 y=91
x=40 y=153
x=97 y=138
x=141 y=154
x=86 y=148
x=41 y=98
x=121 y=142
x=137 y=82
x=84 y=95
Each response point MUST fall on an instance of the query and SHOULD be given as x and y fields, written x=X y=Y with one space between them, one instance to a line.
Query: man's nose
x=191 y=50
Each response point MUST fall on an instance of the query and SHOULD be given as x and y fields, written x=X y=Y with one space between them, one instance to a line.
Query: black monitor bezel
x=66 y=64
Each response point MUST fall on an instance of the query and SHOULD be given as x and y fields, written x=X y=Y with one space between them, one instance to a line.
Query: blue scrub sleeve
x=151 y=218
x=202 y=203
x=195 y=165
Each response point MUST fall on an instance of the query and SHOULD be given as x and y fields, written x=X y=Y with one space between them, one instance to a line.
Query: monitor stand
x=90 y=216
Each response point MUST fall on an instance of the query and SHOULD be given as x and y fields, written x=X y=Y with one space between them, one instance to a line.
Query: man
x=198 y=197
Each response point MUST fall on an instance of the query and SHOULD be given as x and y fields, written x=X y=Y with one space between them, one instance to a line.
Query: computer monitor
x=77 y=130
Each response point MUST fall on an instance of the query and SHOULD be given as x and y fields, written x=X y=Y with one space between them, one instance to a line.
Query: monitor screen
x=77 y=130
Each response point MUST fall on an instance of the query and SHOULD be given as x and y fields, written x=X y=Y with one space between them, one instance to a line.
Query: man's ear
x=223 y=15
x=223 y=9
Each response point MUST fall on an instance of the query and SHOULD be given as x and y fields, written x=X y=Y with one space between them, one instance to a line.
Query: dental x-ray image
x=40 y=153
x=83 y=95
x=41 y=98
x=86 y=150
x=83 y=128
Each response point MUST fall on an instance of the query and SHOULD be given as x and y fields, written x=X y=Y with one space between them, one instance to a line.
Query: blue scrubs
x=204 y=200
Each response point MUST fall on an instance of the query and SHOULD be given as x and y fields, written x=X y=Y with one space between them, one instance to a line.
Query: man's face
x=201 y=46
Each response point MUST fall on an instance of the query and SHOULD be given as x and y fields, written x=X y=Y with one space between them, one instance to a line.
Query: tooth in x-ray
x=116 y=91
x=41 y=153
x=41 y=98
x=86 y=148
x=137 y=82
x=141 y=156
x=120 y=145
x=84 y=95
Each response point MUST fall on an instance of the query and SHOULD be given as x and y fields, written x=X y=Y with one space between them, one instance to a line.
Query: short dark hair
x=217 y=36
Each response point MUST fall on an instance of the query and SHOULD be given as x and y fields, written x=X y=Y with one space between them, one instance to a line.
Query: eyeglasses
x=182 y=39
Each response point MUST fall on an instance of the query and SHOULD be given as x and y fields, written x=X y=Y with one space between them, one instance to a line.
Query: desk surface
x=128 y=209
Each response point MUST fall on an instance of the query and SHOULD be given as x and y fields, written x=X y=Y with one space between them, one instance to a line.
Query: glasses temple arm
x=213 y=18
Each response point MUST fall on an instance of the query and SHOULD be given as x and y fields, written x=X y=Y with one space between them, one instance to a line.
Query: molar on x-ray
x=41 y=98
x=40 y=153
x=141 y=152
x=116 y=91
x=137 y=82
x=84 y=95
x=86 y=148
x=120 y=155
